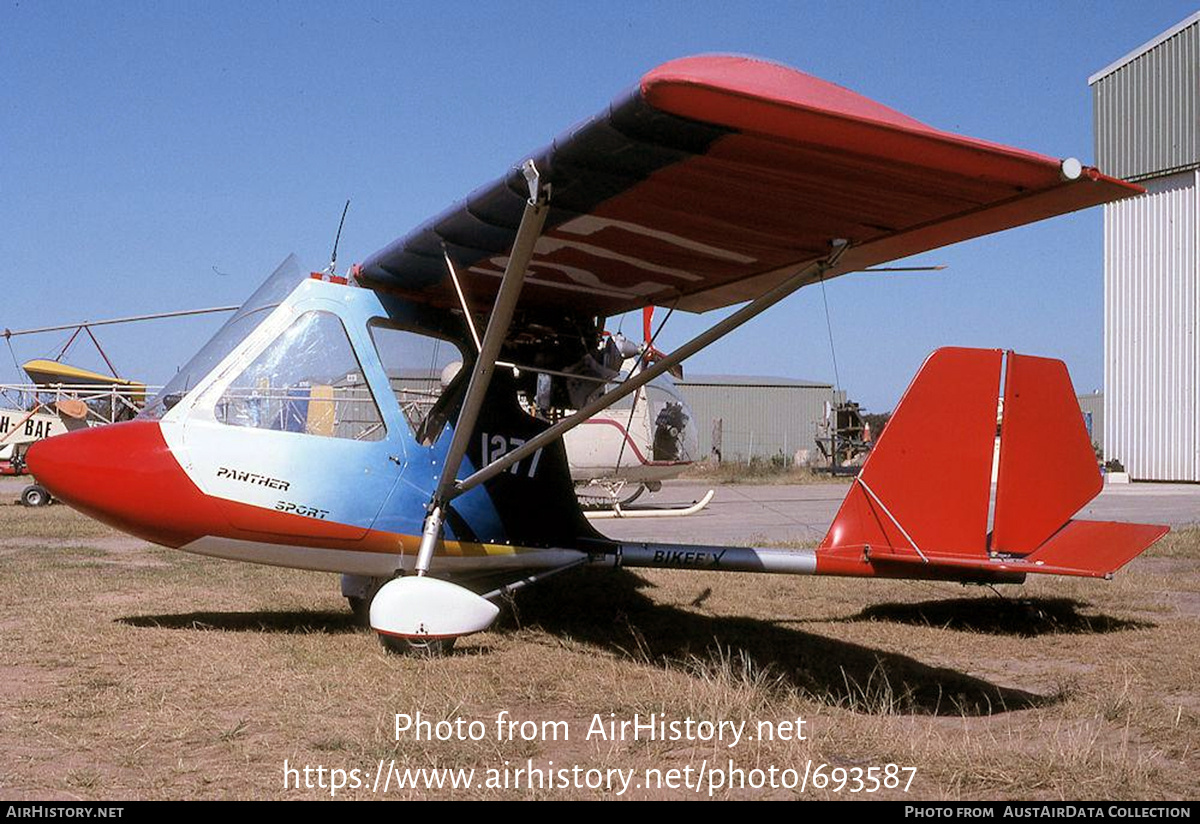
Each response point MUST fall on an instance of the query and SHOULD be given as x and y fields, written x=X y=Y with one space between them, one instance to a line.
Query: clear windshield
x=274 y=289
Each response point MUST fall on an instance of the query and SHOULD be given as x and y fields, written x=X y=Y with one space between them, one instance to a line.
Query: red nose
x=125 y=476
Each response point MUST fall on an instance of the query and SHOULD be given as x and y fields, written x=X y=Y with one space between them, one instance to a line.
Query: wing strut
x=803 y=276
x=532 y=221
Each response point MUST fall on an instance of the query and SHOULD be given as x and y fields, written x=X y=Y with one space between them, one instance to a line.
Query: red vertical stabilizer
x=919 y=507
x=924 y=488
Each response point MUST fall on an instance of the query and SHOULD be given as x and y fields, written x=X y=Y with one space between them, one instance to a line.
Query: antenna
x=333 y=257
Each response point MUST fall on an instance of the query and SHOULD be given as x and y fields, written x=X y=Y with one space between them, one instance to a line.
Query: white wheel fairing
x=429 y=608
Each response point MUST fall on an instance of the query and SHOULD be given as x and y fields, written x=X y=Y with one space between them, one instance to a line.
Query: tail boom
x=919 y=509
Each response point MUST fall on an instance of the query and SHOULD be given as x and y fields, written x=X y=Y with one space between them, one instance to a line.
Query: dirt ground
x=135 y=672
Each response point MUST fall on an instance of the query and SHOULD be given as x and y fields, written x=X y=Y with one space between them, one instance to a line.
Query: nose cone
x=125 y=476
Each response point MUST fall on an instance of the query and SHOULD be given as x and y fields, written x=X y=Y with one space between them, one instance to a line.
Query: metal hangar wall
x=759 y=416
x=1146 y=109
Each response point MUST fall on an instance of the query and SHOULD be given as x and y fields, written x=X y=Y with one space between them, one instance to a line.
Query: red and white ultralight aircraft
x=321 y=427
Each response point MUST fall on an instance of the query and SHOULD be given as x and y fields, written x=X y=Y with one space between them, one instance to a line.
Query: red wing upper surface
x=714 y=179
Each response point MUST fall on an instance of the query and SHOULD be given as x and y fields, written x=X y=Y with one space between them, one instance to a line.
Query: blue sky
x=157 y=156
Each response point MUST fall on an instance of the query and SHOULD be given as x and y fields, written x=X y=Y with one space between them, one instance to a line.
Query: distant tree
x=877 y=421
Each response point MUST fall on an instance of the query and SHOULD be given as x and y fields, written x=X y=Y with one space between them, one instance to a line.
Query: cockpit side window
x=426 y=376
x=307 y=380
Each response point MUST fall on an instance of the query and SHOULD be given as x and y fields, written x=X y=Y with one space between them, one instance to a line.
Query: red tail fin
x=919 y=506
x=942 y=433
x=1048 y=469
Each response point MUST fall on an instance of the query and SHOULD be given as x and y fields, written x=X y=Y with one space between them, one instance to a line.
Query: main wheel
x=432 y=648
x=361 y=608
x=359 y=591
x=34 y=495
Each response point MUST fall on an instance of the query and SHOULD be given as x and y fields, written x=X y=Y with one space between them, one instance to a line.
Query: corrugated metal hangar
x=752 y=416
x=1147 y=119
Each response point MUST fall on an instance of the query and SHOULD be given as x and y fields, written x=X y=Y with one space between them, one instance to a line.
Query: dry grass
x=49 y=523
x=137 y=672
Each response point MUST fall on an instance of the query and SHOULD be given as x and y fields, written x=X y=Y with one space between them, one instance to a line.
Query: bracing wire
x=13 y=353
x=837 y=382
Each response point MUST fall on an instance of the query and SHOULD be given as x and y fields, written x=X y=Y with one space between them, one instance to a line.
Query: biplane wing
x=715 y=179
x=52 y=372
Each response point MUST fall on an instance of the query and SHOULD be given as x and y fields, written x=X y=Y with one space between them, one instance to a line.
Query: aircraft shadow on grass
x=610 y=611
x=293 y=622
x=1023 y=618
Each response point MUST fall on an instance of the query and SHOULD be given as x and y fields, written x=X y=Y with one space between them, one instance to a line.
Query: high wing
x=715 y=179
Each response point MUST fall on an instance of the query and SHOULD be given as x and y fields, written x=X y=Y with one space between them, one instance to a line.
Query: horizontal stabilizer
x=1094 y=549
x=1090 y=549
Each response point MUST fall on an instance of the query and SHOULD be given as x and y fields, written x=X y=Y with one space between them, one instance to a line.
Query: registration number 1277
x=495 y=447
